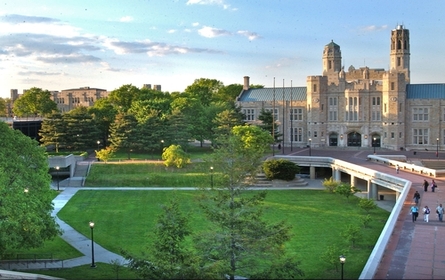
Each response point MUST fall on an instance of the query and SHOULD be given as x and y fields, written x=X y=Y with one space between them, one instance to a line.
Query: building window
x=392 y=135
x=296 y=114
x=420 y=136
x=420 y=114
x=315 y=134
x=296 y=134
x=249 y=114
x=392 y=86
x=351 y=113
x=315 y=88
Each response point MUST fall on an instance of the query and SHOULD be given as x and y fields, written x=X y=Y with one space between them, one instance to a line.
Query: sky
x=57 y=45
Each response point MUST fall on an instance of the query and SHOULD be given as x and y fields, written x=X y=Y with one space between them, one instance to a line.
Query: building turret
x=400 y=51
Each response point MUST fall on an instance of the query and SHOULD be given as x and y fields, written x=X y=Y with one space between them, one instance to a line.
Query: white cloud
x=209 y=2
x=251 y=35
x=171 y=31
x=372 y=28
x=126 y=19
x=195 y=24
x=210 y=32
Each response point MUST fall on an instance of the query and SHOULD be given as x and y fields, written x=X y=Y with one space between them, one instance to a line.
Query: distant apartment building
x=154 y=87
x=69 y=99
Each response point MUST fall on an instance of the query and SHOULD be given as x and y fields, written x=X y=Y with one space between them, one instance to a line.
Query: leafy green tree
x=331 y=255
x=169 y=258
x=150 y=133
x=124 y=133
x=123 y=97
x=352 y=234
x=204 y=90
x=367 y=204
x=225 y=121
x=346 y=190
x=330 y=184
x=240 y=241
x=53 y=131
x=366 y=220
x=34 y=102
x=175 y=156
x=25 y=195
x=179 y=129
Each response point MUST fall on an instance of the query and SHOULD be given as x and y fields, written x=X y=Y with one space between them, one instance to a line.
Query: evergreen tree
x=124 y=133
x=53 y=131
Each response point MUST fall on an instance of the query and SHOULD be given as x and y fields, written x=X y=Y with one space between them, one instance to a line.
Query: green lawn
x=126 y=219
x=149 y=174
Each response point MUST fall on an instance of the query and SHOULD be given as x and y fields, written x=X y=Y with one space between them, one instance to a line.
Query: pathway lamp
x=211 y=176
x=310 y=146
x=92 y=244
x=342 y=261
x=58 y=178
x=437 y=147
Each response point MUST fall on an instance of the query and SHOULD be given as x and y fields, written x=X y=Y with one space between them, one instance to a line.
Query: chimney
x=246 y=83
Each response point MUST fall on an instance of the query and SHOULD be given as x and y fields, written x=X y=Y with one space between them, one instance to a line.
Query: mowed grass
x=126 y=219
x=149 y=174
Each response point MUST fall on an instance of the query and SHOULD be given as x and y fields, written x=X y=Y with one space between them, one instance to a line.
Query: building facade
x=69 y=99
x=360 y=107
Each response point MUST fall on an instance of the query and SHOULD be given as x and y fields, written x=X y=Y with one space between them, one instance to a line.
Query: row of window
x=352 y=114
x=61 y=100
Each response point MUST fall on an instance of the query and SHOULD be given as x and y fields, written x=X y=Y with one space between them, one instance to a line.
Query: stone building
x=69 y=99
x=359 y=107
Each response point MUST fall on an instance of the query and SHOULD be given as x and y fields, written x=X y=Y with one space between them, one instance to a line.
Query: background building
x=361 y=107
x=69 y=99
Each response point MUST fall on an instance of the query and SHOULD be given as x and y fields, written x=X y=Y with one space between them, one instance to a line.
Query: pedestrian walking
x=414 y=212
x=425 y=185
x=433 y=185
x=416 y=197
x=426 y=213
x=439 y=212
x=397 y=169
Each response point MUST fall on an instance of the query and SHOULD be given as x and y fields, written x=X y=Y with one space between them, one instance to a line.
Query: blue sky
x=56 y=45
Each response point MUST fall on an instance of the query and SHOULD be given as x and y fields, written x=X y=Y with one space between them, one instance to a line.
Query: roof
x=425 y=91
x=332 y=44
x=267 y=94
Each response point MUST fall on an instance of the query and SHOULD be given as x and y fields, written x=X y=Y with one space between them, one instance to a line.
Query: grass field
x=126 y=219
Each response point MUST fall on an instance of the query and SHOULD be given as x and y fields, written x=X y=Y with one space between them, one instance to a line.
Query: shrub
x=280 y=169
x=330 y=184
x=175 y=156
x=367 y=204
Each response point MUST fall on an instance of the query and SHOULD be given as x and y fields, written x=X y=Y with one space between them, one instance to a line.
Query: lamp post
x=162 y=145
x=58 y=178
x=437 y=147
x=92 y=245
x=373 y=143
x=310 y=152
x=98 y=144
x=211 y=176
x=342 y=261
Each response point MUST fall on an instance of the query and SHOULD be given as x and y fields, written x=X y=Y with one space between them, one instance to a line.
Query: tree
x=34 y=102
x=81 y=130
x=123 y=97
x=53 y=131
x=367 y=204
x=175 y=156
x=103 y=113
x=124 y=133
x=169 y=258
x=267 y=124
x=346 y=190
x=104 y=154
x=352 y=234
x=3 y=107
x=25 y=195
x=241 y=242
x=204 y=90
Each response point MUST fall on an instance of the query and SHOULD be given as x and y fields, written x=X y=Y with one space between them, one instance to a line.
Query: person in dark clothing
x=425 y=185
x=416 y=197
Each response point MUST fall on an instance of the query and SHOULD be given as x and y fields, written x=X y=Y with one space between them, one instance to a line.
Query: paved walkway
x=415 y=250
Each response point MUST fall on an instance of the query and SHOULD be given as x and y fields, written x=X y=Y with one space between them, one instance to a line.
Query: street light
x=58 y=178
x=162 y=145
x=373 y=143
x=211 y=176
x=92 y=245
x=342 y=261
x=310 y=141
x=98 y=144
x=437 y=147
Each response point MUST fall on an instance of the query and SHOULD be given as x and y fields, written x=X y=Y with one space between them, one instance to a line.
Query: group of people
x=426 y=185
x=426 y=209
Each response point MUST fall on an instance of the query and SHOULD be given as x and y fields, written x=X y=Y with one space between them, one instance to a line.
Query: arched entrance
x=333 y=139
x=375 y=140
x=354 y=139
